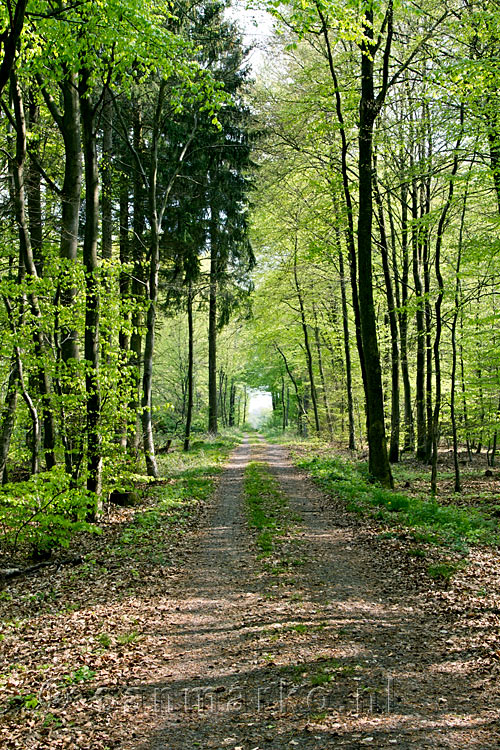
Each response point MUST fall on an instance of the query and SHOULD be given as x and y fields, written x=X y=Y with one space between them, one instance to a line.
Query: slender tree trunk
x=68 y=122
x=456 y=312
x=350 y=232
x=393 y=323
x=66 y=333
x=232 y=397
x=306 y=342
x=458 y=486
x=419 y=318
x=10 y=39
x=154 y=266
x=8 y=418
x=33 y=187
x=212 y=330
x=439 y=302
x=138 y=289
x=283 y=404
x=107 y=176
x=428 y=351
x=26 y=254
x=124 y=334
x=91 y=233
x=245 y=406
x=326 y=403
x=464 y=396
x=147 y=378
x=189 y=410
x=347 y=346
x=300 y=403
x=379 y=466
x=409 y=439
x=107 y=326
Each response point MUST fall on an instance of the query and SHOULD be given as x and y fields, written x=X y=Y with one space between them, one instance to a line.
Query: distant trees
x=393 y=176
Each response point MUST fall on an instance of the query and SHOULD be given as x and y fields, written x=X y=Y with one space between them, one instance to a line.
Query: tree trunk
x=91 y=233
x=283 y=404
x=232 y=397
x=347 y=345
x=189 y=411
x=124 y=334
x=350 y=233
x=212 y=331
x=154 y=266
x=419 y=319
x=306 y=343
x=439 y=302
x=393 y=323
x=379 y=466
x=8 y=418
x=245 y=406
x=66 y=334
x=300 y=403
x=107 y=174
x=10 y=39
x=138 y=287
x=326 y=403
x=26 y=254
x=409 y=439
x=33 y=187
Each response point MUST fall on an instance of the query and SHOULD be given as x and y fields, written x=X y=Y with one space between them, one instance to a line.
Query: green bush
x=43 y=512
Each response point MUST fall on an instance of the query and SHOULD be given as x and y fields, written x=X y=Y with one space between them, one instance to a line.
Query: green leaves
x=43 y=512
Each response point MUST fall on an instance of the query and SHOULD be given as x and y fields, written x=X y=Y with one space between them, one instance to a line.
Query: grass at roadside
x=172 y=504
x=429 y=520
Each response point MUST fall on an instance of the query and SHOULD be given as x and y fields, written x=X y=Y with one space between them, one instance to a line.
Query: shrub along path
x=289 y=623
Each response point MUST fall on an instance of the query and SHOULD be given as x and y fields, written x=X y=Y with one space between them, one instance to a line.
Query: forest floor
x=278 y=619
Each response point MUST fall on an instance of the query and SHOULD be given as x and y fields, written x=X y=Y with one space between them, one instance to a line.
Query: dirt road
x=339 y=650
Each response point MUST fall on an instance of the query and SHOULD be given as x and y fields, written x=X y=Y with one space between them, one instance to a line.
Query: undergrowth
x=432 y=522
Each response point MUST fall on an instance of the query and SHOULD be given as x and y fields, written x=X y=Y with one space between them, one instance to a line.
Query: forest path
x=334 y=652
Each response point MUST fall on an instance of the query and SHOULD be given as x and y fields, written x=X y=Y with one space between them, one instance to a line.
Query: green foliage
x=24 y=700
x=446 y=524
x=267 y=506
x=443 y=571
x=43 y=512
x=82 y=674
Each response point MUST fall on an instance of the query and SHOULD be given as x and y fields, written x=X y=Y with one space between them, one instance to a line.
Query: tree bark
x=212 y=330
x=124 y=284
x=419 y=319
x=190 y=376
x=438 y=305
x=326 y=403
x=409 y=439
x=138 y=288
x=28 y=262
x=379 y=466
x=10 y=39
x=90 y=262
x=393 y=323
x=8 y=418
x=306 y=343
x=347 y=343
